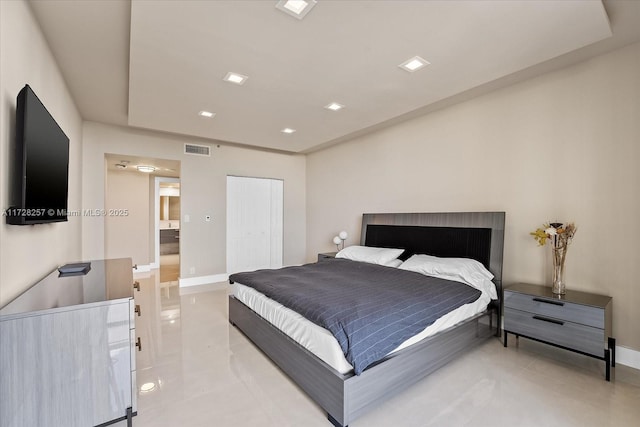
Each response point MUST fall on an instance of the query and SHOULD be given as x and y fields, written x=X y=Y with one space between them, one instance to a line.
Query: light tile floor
x=200 y=371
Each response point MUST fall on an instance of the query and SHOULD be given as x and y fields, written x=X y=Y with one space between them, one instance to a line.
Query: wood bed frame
x=347 y=396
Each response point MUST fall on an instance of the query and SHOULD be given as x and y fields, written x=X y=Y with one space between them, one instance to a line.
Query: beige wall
x=203 y=192
x=564 y=146
x=127 y=216
x=28 y=253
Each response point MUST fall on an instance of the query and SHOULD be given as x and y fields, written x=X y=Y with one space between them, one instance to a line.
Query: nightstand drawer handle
x=544 y=319
x=549 y=302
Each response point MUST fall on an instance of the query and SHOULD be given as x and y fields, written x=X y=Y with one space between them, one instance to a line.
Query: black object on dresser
x=577 y=321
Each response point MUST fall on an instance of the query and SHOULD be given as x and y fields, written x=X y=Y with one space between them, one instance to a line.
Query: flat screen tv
x=39 y=185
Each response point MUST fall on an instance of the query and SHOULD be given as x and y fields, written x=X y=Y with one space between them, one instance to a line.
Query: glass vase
x=557 y=285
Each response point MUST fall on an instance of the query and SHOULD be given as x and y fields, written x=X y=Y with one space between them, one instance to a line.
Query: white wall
x=203 y=192
x=563 y=146
x=28 y=253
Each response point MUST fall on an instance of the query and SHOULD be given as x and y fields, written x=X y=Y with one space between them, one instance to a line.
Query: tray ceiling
x=156 y=64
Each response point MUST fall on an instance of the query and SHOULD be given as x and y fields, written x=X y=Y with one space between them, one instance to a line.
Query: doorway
x=132 y=192
x=167 y=217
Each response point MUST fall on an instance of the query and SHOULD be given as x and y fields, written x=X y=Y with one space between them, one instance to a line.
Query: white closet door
x=254 y=223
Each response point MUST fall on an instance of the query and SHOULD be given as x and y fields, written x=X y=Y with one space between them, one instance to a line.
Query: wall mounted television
x=40 y=176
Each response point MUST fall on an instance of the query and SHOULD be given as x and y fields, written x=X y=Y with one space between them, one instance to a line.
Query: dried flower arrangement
x=560 y=236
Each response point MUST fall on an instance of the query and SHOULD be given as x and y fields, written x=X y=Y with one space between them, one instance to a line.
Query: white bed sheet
x=321 y=342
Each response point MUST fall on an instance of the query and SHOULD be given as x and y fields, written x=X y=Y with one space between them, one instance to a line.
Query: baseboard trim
x=203 y=280
x=628 y=357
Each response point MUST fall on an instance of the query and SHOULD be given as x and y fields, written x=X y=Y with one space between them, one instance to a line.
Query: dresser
x=577 y=321
x=67 y=349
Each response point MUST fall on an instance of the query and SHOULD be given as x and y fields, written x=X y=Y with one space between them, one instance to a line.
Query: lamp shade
x=337 y=240
x=343 y=235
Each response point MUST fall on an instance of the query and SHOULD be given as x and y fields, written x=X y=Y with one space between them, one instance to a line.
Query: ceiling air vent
x=197 y=150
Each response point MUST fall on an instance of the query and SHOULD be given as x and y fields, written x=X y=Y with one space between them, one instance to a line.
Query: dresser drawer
x=132 y=343
x=134 y=392
x=567 y=334
x=132 y=313
x=558 y=309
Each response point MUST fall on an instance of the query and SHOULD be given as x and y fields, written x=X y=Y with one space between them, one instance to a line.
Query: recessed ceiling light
x=236 y=78
x=207 y=114
x=296 y=8
x=414 y=64
x=288 y=130
x=334 y=106
x=145 y=168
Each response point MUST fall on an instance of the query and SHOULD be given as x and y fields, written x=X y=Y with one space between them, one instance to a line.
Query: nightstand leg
x=612 y=348
x=607 y=360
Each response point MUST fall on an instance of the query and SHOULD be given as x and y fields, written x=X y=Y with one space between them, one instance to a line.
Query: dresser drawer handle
x=137 y=310
x=549 y=302
x=136 y=285
x=139 y=344
x=544 y=319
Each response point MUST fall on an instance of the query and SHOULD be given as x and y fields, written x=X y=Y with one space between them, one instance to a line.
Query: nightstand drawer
x=557 y=331
x=556 y=308
x=326 y=255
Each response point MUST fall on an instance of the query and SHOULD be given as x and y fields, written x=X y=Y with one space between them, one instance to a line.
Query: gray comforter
x=370 y=309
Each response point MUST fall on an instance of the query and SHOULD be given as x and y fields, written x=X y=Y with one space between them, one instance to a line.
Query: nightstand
x=326 y=255
x=577 y=321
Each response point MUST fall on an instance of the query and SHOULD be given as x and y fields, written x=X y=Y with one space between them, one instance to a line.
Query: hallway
x=169 y=268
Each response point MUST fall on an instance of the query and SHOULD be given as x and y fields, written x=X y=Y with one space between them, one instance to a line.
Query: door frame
x=156 y=217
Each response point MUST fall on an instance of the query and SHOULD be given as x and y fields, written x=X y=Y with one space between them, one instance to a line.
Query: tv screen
x=41 y=165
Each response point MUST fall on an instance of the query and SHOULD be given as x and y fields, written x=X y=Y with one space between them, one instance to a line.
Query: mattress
x=321 y=342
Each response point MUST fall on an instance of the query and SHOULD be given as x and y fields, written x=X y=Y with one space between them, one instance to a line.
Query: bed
x=342 y=393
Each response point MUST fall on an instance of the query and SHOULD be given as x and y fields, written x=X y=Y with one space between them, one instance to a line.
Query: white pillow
x=382 y=256
x=465 y=270
x=394 y=263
